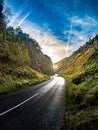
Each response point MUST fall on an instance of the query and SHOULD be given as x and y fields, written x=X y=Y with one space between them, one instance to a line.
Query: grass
x=16 y=72
x=82 y=92
x=16 y=78
x=81 y=104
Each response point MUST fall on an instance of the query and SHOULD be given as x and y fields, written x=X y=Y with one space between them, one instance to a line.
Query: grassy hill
x=22 y=63
x=15 y=70
x=81 y=72
x=60 y=65
x=15 y=77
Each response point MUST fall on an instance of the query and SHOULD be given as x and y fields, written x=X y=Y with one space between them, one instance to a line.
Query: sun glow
x=51 y=53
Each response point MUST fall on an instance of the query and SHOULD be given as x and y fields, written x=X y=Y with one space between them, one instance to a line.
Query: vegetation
x=22 y=62
x=60 y=65
x=81 y=73
x=18 y=77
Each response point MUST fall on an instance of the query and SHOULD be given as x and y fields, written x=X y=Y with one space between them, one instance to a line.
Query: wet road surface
x=40 y=107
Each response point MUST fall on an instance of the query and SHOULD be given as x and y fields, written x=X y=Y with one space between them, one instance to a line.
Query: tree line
x=11 y=34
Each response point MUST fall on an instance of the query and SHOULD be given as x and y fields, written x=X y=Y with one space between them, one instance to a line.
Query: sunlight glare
x=51 y=54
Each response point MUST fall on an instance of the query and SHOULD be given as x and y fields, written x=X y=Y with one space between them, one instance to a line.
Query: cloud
x=18 y=13
x=87 y=21
x=80 y=29
x=17 y=19
x=24 y=18
x=13 y=19
x=59 y=29
x=50 y=45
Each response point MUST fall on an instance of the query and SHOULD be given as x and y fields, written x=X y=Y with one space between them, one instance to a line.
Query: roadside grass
x=14 y=78
x=81 y=109
x=81 y=104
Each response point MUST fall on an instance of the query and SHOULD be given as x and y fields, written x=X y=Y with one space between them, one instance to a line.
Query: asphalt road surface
x=40 y=107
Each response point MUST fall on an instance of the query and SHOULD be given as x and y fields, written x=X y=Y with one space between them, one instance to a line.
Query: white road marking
x=3 y=113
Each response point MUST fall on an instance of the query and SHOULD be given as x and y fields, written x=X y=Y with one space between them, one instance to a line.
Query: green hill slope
x=60 y=65
x=15 y=67
x=22 y=63
x=81 y=73
x=13 y=77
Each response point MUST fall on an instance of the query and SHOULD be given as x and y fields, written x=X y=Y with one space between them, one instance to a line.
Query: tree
x=93 y=43
x=2 y=22
x=1 y=9
x=11 y=31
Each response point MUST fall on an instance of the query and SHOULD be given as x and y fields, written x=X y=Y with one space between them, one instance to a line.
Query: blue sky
x=60 y=26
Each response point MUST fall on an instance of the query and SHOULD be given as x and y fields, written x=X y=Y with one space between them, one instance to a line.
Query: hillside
x=22 y=62
x=60 y=65
x=30 y=49
x=81 y=72
x=19 y=68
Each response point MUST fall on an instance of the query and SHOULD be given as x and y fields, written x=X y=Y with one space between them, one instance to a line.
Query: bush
x=79 y=79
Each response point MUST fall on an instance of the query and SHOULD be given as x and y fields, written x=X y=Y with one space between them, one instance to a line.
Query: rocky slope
x=39 y=61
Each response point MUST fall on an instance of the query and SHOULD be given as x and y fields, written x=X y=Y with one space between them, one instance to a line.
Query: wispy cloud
x=24 y=18
x=84 y=22
x=50 y=45
x=80 y=29
x=16 y=19
x=13 y=19
x=18 y=13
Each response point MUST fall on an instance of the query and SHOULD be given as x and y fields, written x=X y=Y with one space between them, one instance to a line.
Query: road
x=40 y=107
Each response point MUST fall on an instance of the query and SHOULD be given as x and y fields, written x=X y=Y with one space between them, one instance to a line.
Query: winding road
x=40 y=107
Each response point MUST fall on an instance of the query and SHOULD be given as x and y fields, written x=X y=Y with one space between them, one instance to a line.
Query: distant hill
x=60 y=65
x=81 y=72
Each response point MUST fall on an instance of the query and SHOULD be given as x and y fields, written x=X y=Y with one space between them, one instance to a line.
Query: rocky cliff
x=39 y=61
